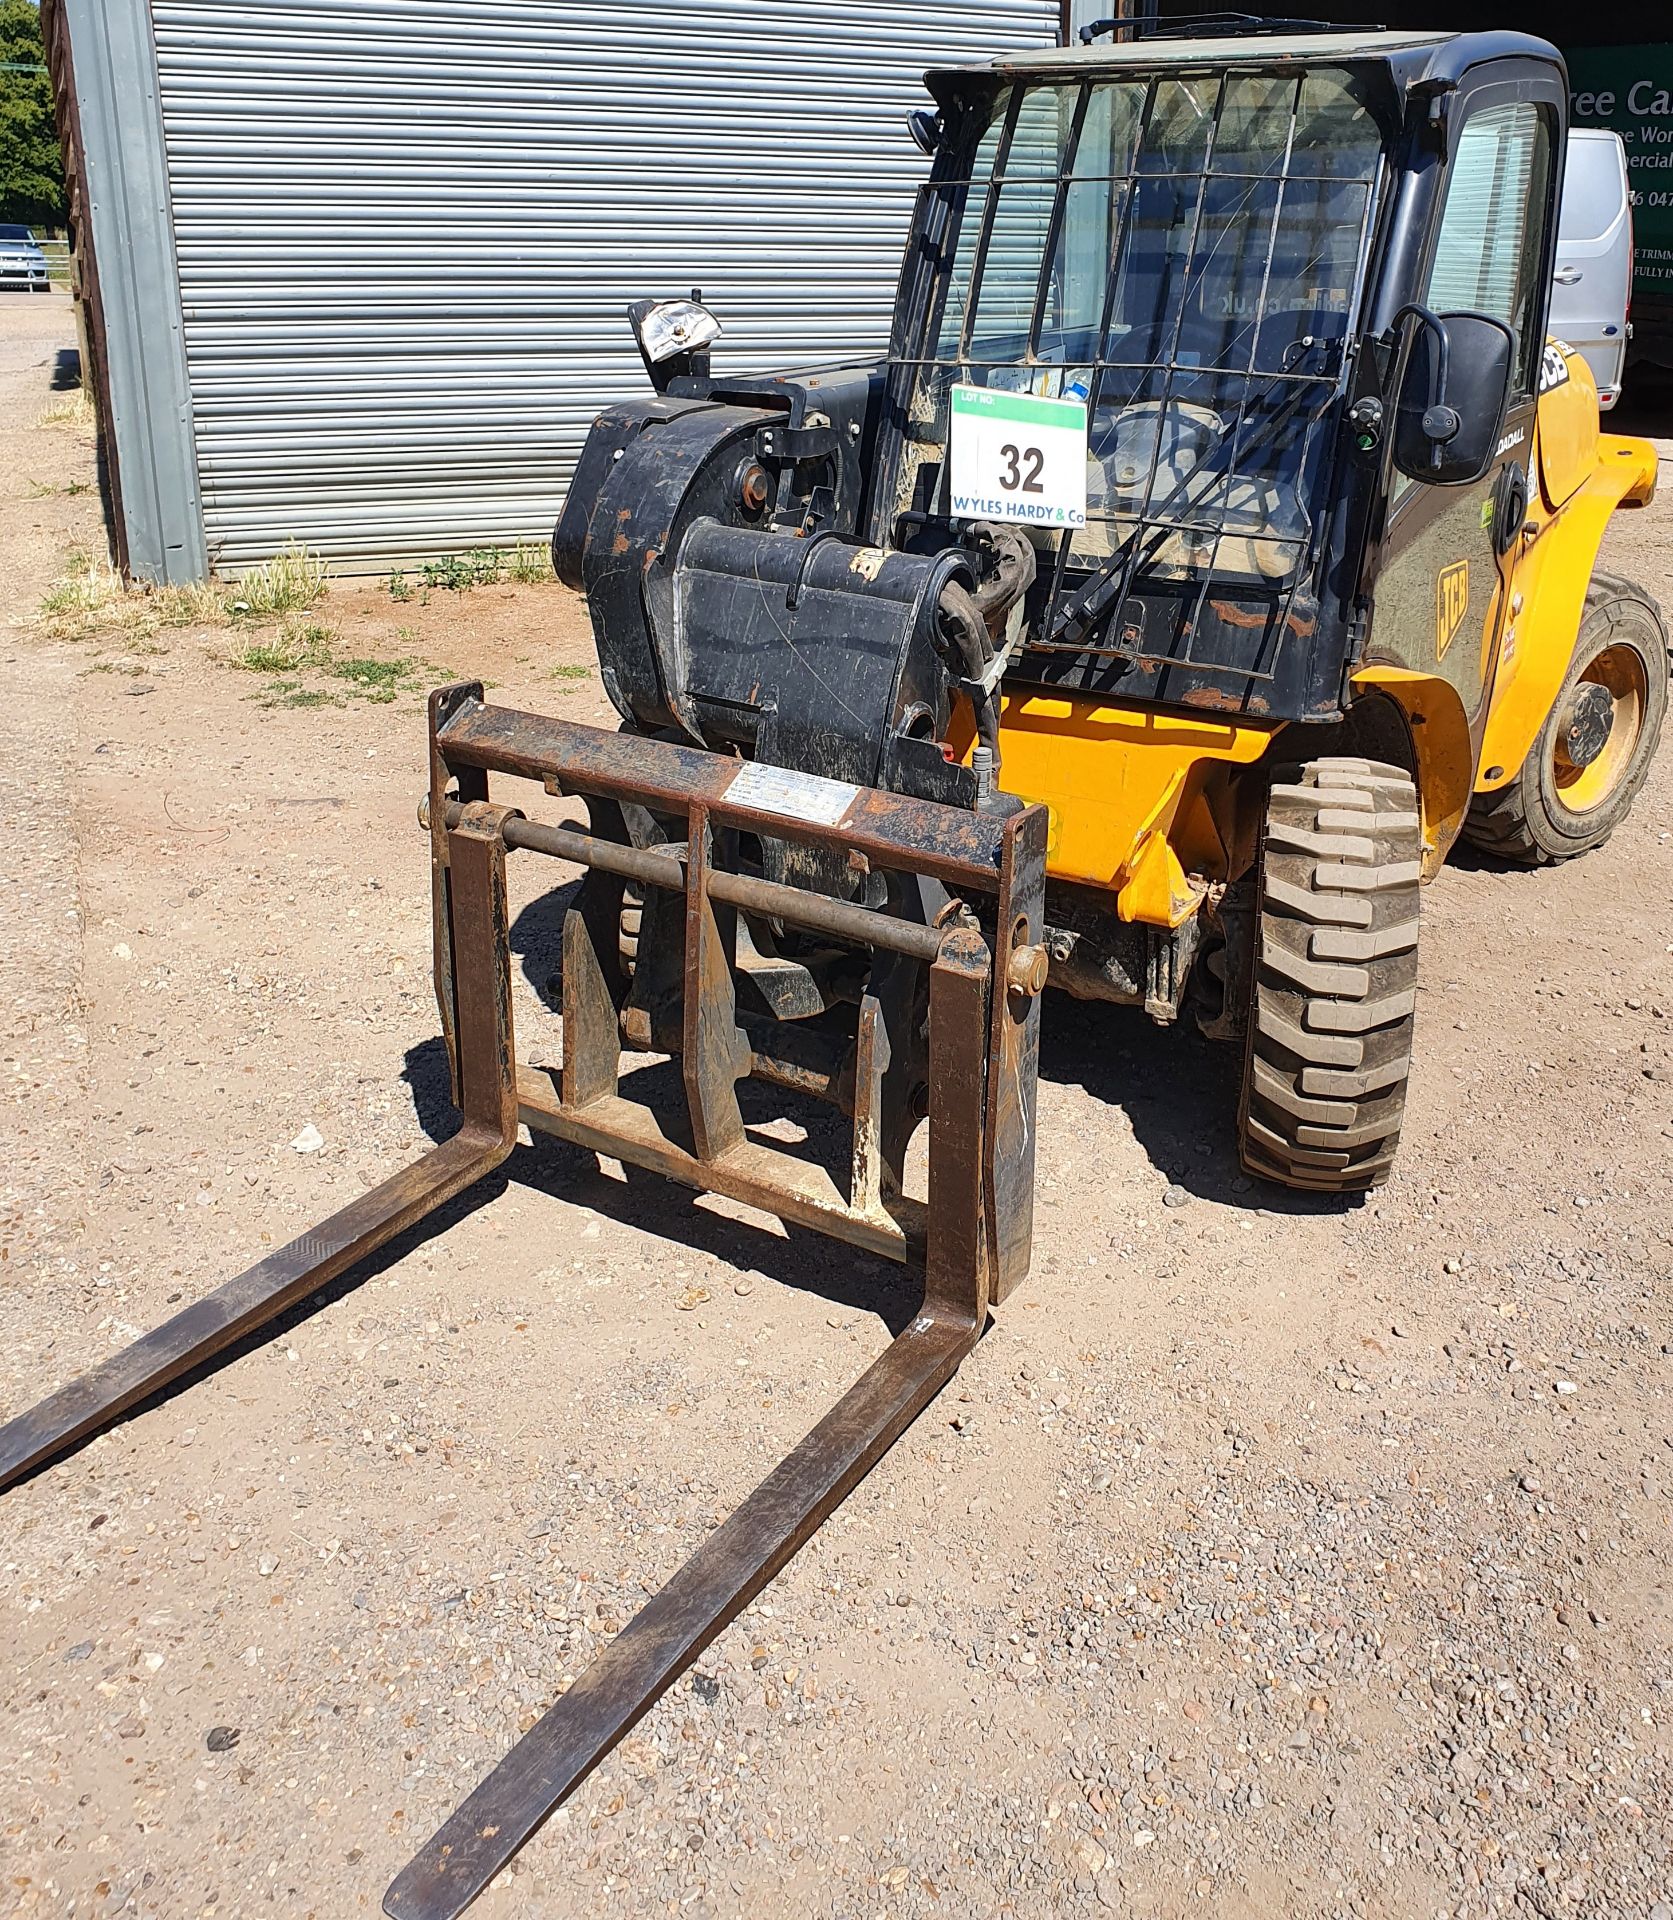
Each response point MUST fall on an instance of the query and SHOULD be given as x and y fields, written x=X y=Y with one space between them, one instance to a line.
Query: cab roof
x=1234 y=49
x=1410 y=56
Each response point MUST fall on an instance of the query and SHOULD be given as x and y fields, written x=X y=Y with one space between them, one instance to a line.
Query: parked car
x=1594 y=257
x=22 y=263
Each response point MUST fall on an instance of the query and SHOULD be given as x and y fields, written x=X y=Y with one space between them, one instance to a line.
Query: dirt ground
x=1268 y=1557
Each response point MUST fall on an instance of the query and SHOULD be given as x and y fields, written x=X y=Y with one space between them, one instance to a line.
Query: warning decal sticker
x=797 y=796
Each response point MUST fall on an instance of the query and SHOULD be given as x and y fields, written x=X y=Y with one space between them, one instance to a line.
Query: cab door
x=1439 y=594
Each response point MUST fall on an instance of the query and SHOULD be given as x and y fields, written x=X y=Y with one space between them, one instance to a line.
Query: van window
x=1593 y=192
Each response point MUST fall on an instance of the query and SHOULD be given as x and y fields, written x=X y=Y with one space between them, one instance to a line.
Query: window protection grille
x=1185 y=253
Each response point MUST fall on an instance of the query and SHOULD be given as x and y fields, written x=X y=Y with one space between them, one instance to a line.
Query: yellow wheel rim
x=1583 y=783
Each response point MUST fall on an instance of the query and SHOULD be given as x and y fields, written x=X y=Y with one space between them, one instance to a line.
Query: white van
x=1594 y=257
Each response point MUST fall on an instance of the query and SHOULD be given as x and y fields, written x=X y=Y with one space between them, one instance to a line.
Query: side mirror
x=673 y=337
x=1452 y=399
x=926 y=129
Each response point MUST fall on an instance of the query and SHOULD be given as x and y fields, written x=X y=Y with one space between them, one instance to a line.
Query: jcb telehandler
x=1214 y=545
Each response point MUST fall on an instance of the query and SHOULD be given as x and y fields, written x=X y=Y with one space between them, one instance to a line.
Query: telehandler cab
x=1214 y=545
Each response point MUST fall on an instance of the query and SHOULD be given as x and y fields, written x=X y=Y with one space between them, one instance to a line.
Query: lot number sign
x=1016 y=456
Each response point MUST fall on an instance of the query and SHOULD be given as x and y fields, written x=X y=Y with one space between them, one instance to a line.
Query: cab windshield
x=1181 y=253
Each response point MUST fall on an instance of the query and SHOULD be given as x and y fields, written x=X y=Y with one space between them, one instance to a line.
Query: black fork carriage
x=940 y=1021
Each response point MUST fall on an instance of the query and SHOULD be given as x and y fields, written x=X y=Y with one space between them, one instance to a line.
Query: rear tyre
x=1583 y=773
x=1335 y=987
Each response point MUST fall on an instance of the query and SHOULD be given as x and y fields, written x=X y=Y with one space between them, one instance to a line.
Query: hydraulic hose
x=975 y=622
x=963 y=623
x=1014 y=569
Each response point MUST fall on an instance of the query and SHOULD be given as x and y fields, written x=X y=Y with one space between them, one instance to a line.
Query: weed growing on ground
x=527 y=564
x=530 y=563
x=310 y=648
x=291 y=693
x=293 y=579
x=570 y=672
x=377 y=679
x=458 y=572
x=288 y=650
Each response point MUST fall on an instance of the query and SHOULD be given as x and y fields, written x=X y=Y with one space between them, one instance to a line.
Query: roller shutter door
x=407 y=231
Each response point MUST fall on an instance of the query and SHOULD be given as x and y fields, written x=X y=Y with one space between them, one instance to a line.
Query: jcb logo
x=1452 y=598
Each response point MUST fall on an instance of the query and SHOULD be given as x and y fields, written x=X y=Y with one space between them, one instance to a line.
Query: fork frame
x=971 y=1236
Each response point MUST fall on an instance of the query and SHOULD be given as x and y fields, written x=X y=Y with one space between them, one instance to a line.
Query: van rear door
x=1594 y=256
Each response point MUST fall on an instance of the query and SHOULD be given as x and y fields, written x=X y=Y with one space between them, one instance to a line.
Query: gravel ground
x=1267 y=1557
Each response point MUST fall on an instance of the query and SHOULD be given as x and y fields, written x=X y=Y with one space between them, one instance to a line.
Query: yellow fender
x=1548 y=585
x=1443 y=754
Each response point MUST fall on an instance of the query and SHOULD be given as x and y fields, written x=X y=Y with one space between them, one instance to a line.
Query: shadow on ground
x=846 y=1276
x=537 y=941
x=1178 y=1090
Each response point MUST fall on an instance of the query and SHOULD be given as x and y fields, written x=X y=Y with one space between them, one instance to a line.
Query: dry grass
x=293 y=579
x=84 y=599
x=90 y=602
x=73 y=409
x=91 y=599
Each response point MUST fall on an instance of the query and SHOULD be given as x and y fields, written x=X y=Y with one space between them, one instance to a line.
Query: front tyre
x=1583 y=773
x=1335 y=978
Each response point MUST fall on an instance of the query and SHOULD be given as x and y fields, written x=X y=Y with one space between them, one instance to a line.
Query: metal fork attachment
x=936 y=1023
x=899 y=982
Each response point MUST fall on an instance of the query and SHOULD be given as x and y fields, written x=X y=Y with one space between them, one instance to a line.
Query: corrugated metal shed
x=407 y=230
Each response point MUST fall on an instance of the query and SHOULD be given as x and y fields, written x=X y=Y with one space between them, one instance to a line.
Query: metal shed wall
x=407 y=230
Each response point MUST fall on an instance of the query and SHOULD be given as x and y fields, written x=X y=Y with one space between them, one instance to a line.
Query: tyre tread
x=1335 y=977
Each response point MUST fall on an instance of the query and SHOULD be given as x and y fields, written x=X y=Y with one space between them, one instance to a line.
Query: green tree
x=31 y=167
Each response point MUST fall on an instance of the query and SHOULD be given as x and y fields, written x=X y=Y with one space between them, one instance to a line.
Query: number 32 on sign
x=1016 y=456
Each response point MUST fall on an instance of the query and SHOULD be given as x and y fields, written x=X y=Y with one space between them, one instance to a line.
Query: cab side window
x=1491 y=242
